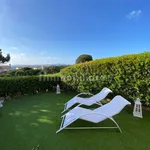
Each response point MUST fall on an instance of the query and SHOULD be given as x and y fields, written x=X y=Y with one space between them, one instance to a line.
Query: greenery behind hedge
x=127 y=75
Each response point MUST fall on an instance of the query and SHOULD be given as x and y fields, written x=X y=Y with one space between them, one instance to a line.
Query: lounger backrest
x=114 y=106
x=102 y=94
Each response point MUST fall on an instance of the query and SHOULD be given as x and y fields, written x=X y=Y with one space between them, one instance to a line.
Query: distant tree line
x=22 y=72
x=27 y=71
x=54 y=69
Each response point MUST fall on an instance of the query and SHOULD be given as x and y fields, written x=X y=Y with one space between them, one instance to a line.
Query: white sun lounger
x=95 y=116
x=95 y=99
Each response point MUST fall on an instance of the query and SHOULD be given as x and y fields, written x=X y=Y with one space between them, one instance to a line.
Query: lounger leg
x=116 y=124
x=62 y=123
x=59 y=130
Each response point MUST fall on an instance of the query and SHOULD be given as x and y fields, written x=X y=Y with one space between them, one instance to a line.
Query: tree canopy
x=4 y=59
x=84 y=58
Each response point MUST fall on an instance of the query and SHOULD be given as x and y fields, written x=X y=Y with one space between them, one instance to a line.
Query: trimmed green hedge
x=11 y=86
x=127 y=75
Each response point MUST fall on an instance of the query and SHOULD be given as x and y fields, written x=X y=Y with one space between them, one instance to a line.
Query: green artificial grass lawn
x=31 y=120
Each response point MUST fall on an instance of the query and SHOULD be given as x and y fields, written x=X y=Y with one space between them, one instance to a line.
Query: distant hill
x=37 y=65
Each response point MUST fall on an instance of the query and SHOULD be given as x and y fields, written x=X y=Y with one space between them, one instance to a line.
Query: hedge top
x=111 y=60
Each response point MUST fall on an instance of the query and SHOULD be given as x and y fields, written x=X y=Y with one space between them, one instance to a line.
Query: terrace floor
x=31 y=120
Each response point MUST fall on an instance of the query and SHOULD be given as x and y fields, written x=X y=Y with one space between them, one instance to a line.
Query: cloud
x=14 y=48
x=43 y=52
x=135 y=14
x=17 y=55
x=52 y=58
x=19 y=58
x=22 y=54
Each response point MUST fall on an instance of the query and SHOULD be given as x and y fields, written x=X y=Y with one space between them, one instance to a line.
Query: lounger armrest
x=83 y=94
